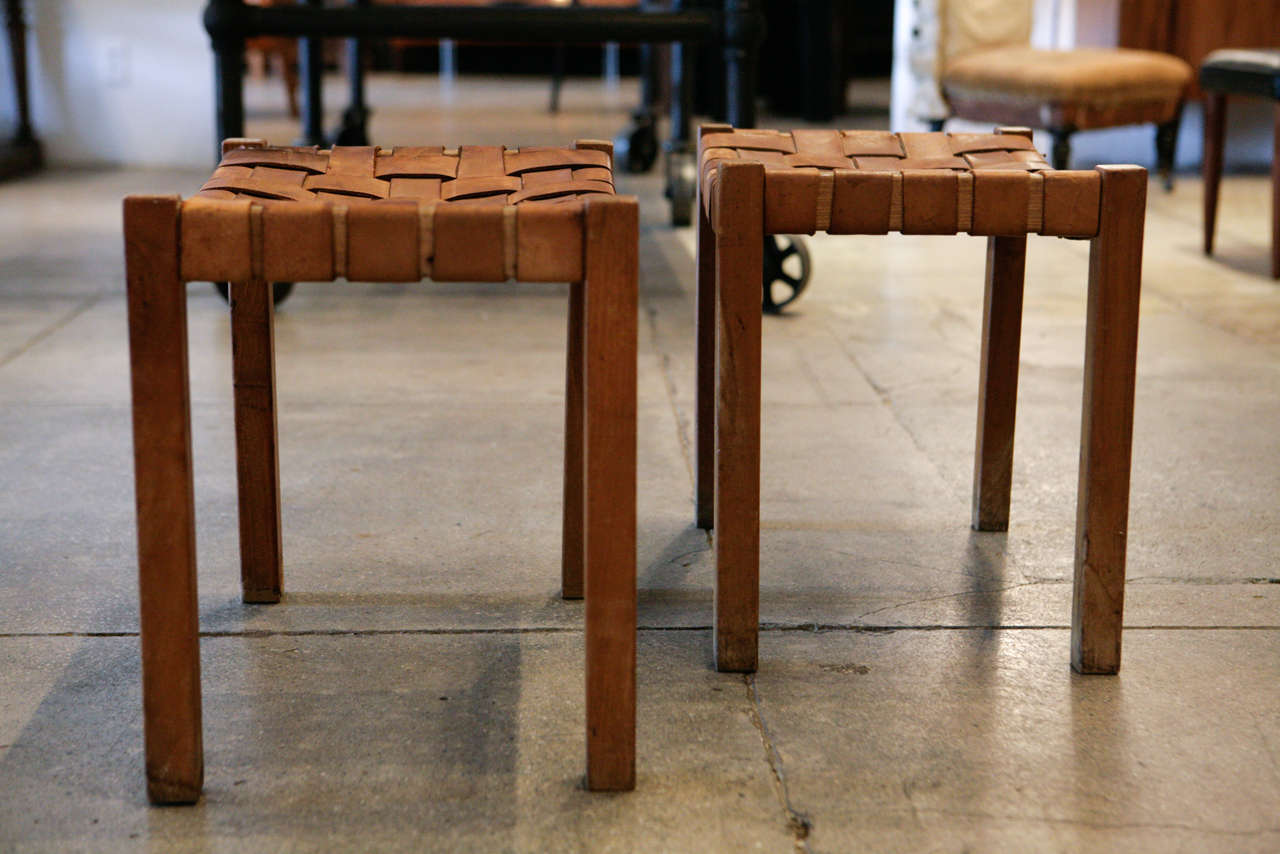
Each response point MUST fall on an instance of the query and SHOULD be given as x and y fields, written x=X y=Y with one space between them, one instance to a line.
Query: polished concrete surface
x=419 y=688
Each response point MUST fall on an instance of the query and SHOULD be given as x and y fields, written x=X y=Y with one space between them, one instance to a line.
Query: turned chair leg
x=572 y=544
x=998 y=382
x=1167 y=148
x=739 y=260
x=257 y=451
x=1215 y=112
x=610 y=310
x=1106 y=442
x=1061 y=154
x=157 y=304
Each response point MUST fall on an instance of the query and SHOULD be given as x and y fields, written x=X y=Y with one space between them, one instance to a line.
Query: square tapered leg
x=609 y=376
x=169 y=624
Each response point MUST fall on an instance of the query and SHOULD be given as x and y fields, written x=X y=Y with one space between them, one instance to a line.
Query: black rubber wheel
x=280 y=291
x=635 y=150
x=682 y=186
x=786 y=271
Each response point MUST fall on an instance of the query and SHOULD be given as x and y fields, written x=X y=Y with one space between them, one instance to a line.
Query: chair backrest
x=968 y=25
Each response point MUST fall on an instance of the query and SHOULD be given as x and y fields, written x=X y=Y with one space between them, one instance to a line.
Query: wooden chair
x=369 y=214
x=761 y=182
x=988 y=72
x=1254 y=72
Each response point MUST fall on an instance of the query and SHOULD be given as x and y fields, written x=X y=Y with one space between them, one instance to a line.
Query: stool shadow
x=424 y=729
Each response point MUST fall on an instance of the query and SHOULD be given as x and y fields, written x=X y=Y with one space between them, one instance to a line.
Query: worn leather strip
x=860 y=202
x=549 y=242
x=1001 y=200
x=929 y=201
x=1071 y=203
x=469 y=243
x=382 y=242
x=216 y=245
x=297 y=242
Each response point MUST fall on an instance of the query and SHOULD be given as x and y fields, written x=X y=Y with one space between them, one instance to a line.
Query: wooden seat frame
x=740 y=201
x=592 y=242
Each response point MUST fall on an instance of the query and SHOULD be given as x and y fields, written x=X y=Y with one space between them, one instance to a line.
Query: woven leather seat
x=874 y=182
x=1252 y=72
x=755 y=183
x=478 y=213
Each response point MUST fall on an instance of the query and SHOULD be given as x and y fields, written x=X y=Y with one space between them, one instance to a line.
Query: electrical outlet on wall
x=116 y=70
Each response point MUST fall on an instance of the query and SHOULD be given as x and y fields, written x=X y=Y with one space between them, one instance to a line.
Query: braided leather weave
x=485 y=174
x=919 y=183
x=475 y=213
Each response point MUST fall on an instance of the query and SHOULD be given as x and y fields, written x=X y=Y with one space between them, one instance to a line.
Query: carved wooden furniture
x=363 y=213
x=1192 y=29
x=756 y=183
x=1254 y=72
x=988 y=72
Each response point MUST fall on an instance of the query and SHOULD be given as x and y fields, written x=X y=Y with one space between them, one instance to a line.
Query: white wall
x=120 y=81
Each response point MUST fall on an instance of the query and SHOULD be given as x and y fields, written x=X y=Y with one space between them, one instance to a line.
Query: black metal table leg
x=222 y=18
x=311 y=60
x=743 y=34
x=355 y=119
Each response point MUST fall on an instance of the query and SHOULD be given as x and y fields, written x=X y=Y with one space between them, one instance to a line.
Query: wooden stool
x=759 y=182
x=370 y=214
x=1254 y=72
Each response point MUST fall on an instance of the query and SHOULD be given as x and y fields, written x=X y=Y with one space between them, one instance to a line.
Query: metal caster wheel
x=786 y=271
x=280 y=291
x=682 y=185
x=636 y=150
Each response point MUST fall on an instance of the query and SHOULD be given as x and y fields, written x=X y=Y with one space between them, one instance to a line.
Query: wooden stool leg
x=1215 y=111
x=572 y=544
x=998 y=382
x=1106 y=442
x=165 y=500
x=1275 y=197
x=257 y=455
x=611 y=312
x=739 y=262
x=705 y=450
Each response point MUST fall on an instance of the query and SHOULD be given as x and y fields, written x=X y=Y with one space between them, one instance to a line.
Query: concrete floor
x=419 y=688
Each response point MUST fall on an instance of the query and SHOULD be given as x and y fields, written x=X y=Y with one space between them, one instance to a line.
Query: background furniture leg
x=572 y=543
x=705 y=441
x=998 y=382
x=1275 y=198
x=1061 y=158
x=739 y=241
x=257 y=452
x=611 y=312
x=1167 y=148
x=1215 y=114
x=157 y=305
x=1106 y=442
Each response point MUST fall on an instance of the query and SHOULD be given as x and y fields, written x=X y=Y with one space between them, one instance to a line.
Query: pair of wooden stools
x=544 y=214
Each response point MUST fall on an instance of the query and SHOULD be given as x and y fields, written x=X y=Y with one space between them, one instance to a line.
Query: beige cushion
x=1082 y=88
